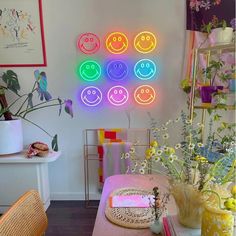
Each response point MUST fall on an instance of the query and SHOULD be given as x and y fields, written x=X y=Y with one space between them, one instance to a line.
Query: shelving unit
x=142 y=136
x=207 y=52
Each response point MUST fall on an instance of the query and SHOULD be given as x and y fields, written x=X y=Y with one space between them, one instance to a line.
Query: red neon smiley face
x=117 y=43
x=88 y=43
x=144 y=94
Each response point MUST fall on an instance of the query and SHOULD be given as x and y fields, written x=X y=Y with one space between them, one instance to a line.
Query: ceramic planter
x=207 y=92
x=221 y=36
x=11 y=137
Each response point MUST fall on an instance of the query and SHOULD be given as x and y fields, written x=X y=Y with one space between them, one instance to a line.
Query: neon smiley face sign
x=145 y=42
x=117 y=43
x=89 y=70
x=117 y=70
x=145 y=69
x=91 y=96
x=118 y=95
x=144 y=95
x=88 y=43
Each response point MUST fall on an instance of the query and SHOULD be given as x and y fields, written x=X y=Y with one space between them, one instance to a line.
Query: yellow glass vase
x=217 y=222
x=189 y=203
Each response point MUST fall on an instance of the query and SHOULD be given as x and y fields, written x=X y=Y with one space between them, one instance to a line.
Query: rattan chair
x=26 y=217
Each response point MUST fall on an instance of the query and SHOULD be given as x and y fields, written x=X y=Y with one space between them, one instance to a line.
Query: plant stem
x=35 y=125
x=218 y=196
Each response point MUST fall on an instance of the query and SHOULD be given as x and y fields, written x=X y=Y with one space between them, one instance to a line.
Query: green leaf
x=11 y=79
x=55 y=143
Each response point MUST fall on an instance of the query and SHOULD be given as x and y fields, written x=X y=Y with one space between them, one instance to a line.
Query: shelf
x=211 y=106
x=215 y=49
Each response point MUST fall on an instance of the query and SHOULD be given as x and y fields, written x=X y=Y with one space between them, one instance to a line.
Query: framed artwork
x=21 y=34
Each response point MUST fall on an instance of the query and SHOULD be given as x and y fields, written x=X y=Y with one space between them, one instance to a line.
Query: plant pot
x=221 y=36
x=217 y=222
x=11 y=137
x=207 y=91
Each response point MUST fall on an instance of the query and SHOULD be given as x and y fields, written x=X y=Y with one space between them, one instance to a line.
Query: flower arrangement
x=24 y=104
x=191 y=175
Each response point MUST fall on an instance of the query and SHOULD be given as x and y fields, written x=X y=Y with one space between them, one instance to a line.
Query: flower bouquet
x=193 y=179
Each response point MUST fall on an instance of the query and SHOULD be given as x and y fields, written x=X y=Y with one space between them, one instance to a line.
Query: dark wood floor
x=70 y=218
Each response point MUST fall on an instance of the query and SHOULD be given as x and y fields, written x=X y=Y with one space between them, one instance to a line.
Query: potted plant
x=13 y=112
x=217 y=31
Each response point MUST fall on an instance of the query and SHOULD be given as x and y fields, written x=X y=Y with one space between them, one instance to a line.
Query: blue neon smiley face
x=91 y=96
x=117 y=70
x=145 y=69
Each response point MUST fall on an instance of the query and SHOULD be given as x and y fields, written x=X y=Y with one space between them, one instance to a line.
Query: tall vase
x=189 y=203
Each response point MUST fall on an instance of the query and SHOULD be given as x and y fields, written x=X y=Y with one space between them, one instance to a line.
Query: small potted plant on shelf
x=217 y=31
x=21 y=106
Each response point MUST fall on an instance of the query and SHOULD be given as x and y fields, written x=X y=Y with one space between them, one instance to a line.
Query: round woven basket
x=130 y=217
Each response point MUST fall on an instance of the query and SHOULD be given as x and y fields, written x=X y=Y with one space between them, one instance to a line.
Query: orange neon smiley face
x=144 y=94
x=145 y=42
x=117 y=42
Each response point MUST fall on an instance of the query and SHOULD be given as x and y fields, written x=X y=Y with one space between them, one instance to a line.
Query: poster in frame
x=21 y=34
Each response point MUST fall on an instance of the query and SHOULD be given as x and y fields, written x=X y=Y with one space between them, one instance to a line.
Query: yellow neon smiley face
x=145 y=42
x=117 y=42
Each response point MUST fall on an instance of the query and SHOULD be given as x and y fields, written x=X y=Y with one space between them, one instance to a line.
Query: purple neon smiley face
x=91 y=96
x=117 y=70
x=118 y=95
x=88 y=43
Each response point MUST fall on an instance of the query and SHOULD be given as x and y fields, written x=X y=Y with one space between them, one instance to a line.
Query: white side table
x=19 y=174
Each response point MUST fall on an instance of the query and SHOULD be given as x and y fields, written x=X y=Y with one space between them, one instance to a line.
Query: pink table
x=103 y=227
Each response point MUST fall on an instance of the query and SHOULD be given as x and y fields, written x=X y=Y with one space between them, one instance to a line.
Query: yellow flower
x=154 y=143
x=201 y=159
x=148 y=153
x=233 y=191
x=230 y=204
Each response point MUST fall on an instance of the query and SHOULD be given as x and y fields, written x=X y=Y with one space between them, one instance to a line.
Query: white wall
x=63 y=22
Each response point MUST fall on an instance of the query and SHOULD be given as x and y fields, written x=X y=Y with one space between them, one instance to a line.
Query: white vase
x=11 y=137
x=221 y=36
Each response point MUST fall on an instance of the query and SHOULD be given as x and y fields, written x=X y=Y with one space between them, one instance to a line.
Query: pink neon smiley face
x=118 y=95
x=88 y=43
x=144 y=94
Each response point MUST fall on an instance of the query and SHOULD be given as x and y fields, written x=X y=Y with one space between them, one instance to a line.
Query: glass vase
x=189 y=203
x=217 y=222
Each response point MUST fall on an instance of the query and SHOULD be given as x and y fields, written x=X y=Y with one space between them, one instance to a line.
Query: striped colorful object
x=108 y=136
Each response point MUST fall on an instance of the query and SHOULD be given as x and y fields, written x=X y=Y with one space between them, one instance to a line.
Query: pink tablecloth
x=104 y=227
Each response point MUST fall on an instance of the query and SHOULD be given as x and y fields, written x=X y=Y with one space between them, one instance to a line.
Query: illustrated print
x=117 y=43
x=118 y=95
x=16 y=24
x=144 y=95
x=91 y=96
x=145 y=42
x=88 y=43
x=117 y=70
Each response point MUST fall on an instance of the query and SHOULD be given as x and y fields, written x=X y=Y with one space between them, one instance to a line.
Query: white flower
x=163 y=128
x=171 y=159
x=143 y=164
x=165 y=149
x=178 y=145
x=159 y=152
x=232 y=143
x=177 y=119
x=133 y=170
x=200 y=125
x=188 y=122
x=174 y=156
x=123 y=155
x=200 y=145
x=135 y=164
x=157 y=158
x=165 y=136
x=145 y=161
x=191 y=146
x=141 y=171
x=132 y=150
x=127 y=155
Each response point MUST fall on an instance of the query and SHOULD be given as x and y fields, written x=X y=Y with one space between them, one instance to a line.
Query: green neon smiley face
x=90 y=70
